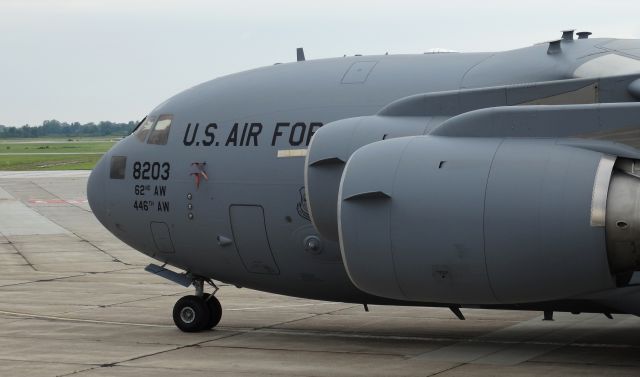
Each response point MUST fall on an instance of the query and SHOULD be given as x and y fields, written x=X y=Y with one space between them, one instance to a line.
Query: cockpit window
x=143 y=130
x=118 y=166
x=138 y=126
x=160 y=133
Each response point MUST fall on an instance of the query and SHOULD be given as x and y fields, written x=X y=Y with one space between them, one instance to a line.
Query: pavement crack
x=78 y=371
x=588 y=363
x=13 y=245
x=43 y=280
x=105 y=306
x=113 y=258
x=446 y=370
x=325 y=351
x=66 y=277
x=196 y=344
x=302 y=319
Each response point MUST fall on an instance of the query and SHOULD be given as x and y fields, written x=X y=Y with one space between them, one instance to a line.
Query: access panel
x=358 y=72
x=162 y=237
x=250 y=235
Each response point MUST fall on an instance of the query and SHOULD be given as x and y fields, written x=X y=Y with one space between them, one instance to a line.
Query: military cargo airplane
x=463 y=180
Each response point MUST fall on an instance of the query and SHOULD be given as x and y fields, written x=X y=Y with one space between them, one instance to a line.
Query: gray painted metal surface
x=475 y=168
x=251 y=239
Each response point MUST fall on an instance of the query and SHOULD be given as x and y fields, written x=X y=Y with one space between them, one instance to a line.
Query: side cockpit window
x=143 y=130
x=118 y=166
x=160 y=133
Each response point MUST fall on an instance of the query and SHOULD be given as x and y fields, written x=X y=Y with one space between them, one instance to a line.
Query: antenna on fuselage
x=584 y=34
x=300 y=53
x=554 y=47
x=567 y=35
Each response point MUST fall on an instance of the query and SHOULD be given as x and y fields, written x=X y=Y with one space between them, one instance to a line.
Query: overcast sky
x=92 y=60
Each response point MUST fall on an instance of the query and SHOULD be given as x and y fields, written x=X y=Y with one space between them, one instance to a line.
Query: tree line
x=75 y=129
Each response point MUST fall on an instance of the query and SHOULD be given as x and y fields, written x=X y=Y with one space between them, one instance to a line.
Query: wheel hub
x=187 y=314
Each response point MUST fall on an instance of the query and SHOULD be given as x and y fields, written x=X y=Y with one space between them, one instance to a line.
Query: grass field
x=52 y=153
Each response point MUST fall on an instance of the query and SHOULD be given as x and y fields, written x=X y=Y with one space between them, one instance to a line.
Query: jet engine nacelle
x=331 y=148
x=486 y=220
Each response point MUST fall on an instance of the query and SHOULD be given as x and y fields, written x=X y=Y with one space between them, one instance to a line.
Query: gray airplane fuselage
x=224 y=198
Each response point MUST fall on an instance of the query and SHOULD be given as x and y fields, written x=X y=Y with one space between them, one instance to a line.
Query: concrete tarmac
x=75 y=301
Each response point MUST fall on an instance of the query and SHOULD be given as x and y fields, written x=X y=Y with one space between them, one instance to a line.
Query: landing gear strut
x=198 y=312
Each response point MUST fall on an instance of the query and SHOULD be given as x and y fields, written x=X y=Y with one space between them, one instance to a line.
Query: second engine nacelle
x=484 y=220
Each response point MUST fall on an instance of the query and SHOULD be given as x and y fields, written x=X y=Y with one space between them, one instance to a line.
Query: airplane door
x=250 y=235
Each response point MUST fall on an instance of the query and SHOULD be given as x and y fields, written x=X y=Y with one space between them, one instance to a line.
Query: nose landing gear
x=192 y=313
x=198 y=312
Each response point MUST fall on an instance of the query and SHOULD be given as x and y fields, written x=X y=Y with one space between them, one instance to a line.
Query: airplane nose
x=96 y=192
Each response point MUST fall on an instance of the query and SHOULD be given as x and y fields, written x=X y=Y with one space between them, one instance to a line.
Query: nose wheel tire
x=191 y=314
x=215 y=310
